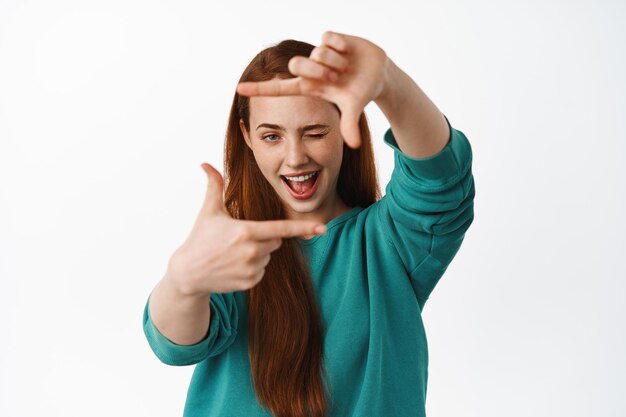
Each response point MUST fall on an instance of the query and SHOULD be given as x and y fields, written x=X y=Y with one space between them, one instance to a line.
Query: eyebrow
x=302 y=129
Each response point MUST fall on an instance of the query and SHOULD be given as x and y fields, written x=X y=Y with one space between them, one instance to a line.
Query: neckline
x=337 y=220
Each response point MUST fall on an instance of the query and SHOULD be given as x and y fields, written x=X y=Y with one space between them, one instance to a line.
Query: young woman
x=299 y=290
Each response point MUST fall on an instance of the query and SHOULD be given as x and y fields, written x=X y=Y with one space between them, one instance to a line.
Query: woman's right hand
x=222 y=254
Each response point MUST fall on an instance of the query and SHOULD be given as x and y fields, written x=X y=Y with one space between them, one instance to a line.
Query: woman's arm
x=184 y=328
x=418 y=126
x=183 y=319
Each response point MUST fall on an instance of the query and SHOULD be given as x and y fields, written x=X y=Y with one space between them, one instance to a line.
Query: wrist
x=178 y=279
x=386 y=98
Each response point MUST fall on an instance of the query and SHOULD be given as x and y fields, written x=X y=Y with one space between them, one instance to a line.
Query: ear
x=242 y=126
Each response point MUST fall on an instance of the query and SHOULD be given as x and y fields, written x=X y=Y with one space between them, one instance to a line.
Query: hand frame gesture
x=346 y=70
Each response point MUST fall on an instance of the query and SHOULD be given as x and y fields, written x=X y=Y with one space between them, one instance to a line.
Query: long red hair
x=285 y=333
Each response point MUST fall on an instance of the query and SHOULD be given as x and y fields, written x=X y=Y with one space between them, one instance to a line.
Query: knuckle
x=252 y=252
x=327 y=35
x=242 y=234
x=242 y=285
x=334 y=39
x=251 y=281
x=250 y=272
x=323 y=53
x=258 y=277
x=319 y=53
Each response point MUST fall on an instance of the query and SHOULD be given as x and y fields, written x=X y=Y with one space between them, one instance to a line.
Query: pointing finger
x=272 y=229
x=275 y=87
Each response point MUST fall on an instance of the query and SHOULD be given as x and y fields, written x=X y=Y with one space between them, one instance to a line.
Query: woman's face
x=297 y=135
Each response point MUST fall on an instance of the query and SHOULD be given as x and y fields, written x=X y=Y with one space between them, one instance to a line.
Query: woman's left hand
x=360 y=69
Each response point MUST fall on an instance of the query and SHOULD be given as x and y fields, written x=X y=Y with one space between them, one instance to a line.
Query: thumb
x=349 y=127
x=214 y=197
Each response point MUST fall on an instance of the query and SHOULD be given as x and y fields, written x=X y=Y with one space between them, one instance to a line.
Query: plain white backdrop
x=108 y=108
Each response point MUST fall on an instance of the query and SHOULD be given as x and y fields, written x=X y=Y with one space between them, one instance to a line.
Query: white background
x=107 y=110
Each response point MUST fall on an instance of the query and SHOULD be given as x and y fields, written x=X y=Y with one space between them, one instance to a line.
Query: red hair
x=285 y=344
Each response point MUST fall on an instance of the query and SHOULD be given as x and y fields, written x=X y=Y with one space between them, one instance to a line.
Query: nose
x=296 y=153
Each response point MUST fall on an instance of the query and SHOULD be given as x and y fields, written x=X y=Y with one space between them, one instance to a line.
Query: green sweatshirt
x=372 y=271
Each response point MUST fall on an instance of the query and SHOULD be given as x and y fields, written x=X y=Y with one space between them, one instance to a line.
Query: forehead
x=291 y=111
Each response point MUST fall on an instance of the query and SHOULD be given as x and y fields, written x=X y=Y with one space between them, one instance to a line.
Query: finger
x=308 y=68
x=275 y=87
x=329 y=57
x=258 y=267
x=272 y=229
x=250 y=281
x=337 y=41
x=349 y=127
x=261 y=261
x=214 y=197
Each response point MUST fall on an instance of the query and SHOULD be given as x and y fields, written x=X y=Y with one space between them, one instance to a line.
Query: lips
x=302 y=174
x=308 y=194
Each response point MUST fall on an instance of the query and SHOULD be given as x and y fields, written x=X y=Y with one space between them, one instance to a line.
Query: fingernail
x=320 y=229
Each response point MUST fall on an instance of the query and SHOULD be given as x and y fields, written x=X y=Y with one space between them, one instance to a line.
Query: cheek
x=332 y=157
x=328 y=153
x=268 y=164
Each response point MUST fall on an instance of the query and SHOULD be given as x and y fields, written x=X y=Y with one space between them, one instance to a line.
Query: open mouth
x=302 y=188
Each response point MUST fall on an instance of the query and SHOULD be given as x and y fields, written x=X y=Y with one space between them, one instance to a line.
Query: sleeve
x=221 y=334
x=427 y=208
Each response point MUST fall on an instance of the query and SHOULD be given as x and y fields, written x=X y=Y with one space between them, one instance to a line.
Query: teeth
x=300 y=179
